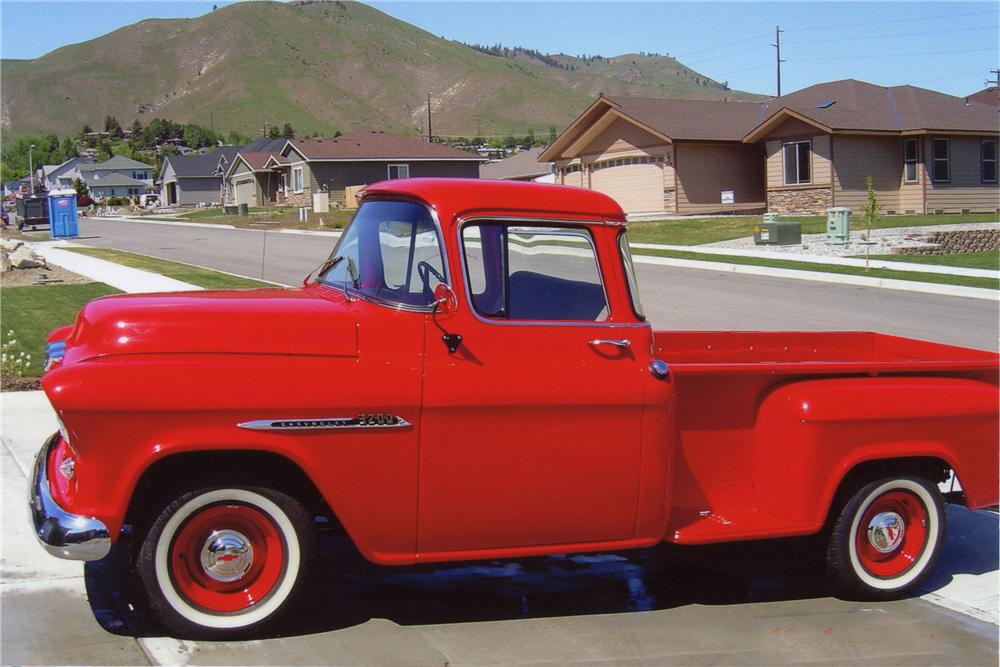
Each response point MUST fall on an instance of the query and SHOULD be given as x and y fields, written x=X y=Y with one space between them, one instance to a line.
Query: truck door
x=531 y=430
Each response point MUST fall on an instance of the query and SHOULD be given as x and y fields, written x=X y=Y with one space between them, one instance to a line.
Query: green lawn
x=287 y=218
x=695 y=231
x=32 y=312
x=987 y=259
x=988 y=283
x=195 y=275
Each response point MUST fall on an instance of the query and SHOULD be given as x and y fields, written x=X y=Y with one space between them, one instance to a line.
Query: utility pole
x=778 y=60
x=265 y=128
x=430 y=132
x=995 y=81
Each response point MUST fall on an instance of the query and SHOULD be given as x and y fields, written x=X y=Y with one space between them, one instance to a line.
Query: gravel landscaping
x=885 y=241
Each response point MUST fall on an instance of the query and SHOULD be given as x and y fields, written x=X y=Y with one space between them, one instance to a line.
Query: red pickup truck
x=470 y=375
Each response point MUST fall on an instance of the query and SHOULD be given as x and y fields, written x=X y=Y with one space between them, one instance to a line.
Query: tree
x=273 y=132
x=337 y=133
x=69 y=149
x=112 y=127
x=529 y=139
x=237 y=139
x=869 y=217
x=104 y=150
x=287 y=131
x=136 y=128
x=81 y=187
x=552 y=133
x=169 y=149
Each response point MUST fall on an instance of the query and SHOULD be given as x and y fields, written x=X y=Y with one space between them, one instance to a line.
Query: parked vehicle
x=470 y=375
x=31 y=211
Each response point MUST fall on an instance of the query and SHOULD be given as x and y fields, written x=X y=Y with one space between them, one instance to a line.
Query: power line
x=895 y=55
x=726 y=55
x=867 y=23
x=720 y=46
x=884 y=36
x=745 y=69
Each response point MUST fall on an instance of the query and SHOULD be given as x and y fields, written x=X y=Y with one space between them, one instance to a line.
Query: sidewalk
x=118 y=276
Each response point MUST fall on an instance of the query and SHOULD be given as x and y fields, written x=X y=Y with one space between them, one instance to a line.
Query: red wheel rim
x=266 y=563
x=892 y=534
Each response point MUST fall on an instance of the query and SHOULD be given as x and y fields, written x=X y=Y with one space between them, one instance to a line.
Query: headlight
x=68 y=468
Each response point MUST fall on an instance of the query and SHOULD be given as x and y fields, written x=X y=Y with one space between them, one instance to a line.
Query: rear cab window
x=529 y=272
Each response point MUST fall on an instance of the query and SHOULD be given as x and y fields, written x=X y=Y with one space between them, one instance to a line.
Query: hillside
x=320 y=66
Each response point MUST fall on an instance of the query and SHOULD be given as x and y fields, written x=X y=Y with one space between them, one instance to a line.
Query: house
x=118 y=177
x=523 y=166
x=925 y=151
x=61 y=176
x=664 y=156
x=989 y=95
x=360 y=158
x=254 y=179
x=195 y=180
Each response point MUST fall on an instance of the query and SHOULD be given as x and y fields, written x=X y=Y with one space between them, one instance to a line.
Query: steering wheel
x=425 y=270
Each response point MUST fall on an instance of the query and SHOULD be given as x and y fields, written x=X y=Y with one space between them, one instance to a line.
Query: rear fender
x=811 y=434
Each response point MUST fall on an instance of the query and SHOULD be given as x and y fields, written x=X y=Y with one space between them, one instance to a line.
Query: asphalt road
x=674 y=298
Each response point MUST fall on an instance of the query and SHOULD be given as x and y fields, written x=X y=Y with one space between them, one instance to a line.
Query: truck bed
x=720 y=380
x=691 y=352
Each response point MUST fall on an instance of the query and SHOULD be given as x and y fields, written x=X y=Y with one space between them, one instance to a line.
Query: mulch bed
x=20 y=383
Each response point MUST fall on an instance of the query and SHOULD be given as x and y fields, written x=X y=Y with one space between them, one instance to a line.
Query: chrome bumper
x=62 y=534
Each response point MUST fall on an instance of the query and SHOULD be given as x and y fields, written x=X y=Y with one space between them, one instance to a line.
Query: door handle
x=621 y=342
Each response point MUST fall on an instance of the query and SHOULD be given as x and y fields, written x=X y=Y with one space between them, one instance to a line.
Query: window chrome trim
x=463 y=222
x=388 y=303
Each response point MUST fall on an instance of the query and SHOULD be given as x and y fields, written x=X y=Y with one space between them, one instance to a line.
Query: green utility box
x=838 y=225
x=777 y=232
x=244 y=210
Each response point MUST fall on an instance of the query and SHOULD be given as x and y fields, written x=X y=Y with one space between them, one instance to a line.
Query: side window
x=533 y=273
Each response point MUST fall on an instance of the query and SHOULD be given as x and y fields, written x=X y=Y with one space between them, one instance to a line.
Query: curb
x=818 y=276
x=822 y=259
x=210 y=225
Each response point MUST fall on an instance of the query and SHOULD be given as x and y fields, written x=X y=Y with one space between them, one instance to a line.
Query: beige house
x=254 y=179
x=925 y=151
x=664 y=156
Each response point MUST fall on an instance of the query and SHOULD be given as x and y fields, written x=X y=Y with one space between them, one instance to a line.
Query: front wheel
x=887 y=538
x=224 y=561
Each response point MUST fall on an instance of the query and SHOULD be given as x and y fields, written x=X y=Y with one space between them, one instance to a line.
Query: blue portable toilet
x=63 y=220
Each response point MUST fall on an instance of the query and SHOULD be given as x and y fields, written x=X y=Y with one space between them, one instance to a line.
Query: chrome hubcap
x=885 y=531
x=226 y=555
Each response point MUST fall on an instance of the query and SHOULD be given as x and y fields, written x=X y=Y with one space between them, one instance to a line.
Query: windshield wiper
x=352 y=269
x=323 y=268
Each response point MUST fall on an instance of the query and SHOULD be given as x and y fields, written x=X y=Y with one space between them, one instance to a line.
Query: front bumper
x=65 y=535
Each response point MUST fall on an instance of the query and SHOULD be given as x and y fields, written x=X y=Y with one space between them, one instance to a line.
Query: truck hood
x=267 y=321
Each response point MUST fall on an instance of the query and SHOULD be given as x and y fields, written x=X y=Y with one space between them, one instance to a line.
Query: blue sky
x=948 y=46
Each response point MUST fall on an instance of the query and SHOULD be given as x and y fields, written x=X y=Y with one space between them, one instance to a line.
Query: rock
x=10 y=245
x=24 y=258
x=5 y=264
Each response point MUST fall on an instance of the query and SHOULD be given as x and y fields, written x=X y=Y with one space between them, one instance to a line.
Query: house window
x=941 y=166
x=910 y=160
x=399 y=171
x=797 y=162
x=988 y=154
x=297 y=179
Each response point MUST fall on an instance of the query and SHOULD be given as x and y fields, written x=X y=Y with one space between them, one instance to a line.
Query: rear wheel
x=887 y=538
x=225 y=561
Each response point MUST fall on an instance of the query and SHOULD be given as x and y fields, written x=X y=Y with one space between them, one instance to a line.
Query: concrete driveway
x=756 y=603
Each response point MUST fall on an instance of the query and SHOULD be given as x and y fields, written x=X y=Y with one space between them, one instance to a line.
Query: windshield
x=390 y=253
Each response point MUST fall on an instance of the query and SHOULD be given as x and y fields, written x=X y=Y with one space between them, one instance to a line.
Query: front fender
x=810 y=434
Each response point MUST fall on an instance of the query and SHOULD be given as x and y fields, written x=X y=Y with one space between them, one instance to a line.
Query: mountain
x=321 y=66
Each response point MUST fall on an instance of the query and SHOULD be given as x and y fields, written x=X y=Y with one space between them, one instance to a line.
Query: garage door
x=636 y=183
x=243 y=191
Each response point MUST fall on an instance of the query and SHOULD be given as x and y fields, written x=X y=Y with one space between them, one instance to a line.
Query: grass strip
x=695 y=231
x=33 y=311
x=913 y=276
x=195 y=275
x=986 y=259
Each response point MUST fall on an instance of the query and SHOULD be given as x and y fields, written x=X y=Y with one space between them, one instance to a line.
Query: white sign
x=727 y=197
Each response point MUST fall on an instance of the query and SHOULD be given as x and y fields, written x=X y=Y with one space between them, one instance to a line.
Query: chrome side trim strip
x=373 y=421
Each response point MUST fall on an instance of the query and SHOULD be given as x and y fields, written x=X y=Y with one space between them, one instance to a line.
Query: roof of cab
x=461 y=196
